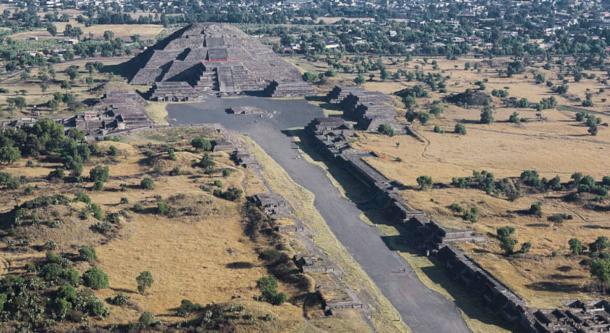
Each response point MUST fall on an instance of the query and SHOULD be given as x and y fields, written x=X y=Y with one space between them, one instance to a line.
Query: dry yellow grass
x=190 y=257
x=95 y=31
x=157 y=112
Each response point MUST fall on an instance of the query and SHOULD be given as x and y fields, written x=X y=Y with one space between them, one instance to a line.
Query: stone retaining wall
x=431 y=237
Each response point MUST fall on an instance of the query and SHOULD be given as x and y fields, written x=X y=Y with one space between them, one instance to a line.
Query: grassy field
x=202 y=255
x=145 y=31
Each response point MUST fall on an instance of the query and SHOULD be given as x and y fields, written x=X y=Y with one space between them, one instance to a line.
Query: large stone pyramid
x=214 y=59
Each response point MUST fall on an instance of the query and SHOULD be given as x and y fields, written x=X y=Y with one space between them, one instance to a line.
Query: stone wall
x=431 y=237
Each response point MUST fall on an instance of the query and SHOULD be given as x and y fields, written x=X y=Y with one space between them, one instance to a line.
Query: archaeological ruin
x=206 y=59
x=333 y=136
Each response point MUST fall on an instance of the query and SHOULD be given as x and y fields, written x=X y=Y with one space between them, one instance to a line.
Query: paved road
x=421 y=309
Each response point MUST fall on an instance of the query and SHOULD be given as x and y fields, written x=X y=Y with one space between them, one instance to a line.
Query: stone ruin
x=368 y=109
x=576 y=317
x=117 y=112
x=245 y=110
x=271 y=204
x=332 y=137
x=207 y=58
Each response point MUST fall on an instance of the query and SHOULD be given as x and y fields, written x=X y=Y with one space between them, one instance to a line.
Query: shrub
x=231 y=194
x=535 y=209
x=56 y=174
x=531 y=178
x=507 y=243
x=558 y=218
x=95 y=278
x=268 y=288
x=147 y=319
x=487 y=115
x=438 y=129
x=386 y=129
x=600 y=269
x=171 y=154
x=472 y=215
x=87 y=253
x=576 y=246
x=99 y=174
x=147 y=183
x=456 y=208
x=424 y=182
x=187 y=307
x=599 y=245
x=113 y=151
x=202 y=143
x=98 y=186
x=423 y=118
x=514 y=118
x=525 y=247
x=206 y=161
x=163 y=208
x=460 y=129
x=119 y=299
x=144 y=281
x=82 y=197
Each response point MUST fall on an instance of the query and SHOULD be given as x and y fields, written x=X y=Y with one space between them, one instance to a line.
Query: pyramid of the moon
x=208 y=58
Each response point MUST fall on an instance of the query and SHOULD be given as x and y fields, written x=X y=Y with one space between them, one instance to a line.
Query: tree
x=72 y=72
x=147 y=183
x=535 y=209
x=600 y=270
x=206 y=161
x=108 y=35
x=310 y=77
x=424 y=182
x=599 y=245
x=99 y=174
x=383 y=74
x=386 y=129
x=144 y=281
x=201 y=143
x=52 y=29
x=514 y=118
x=575 y=246
x=18 y=102
x=460 y=129
x=507 y=243
x=9 y=154
x=95 y=278
x=359 y=79
x=436 y=109
x=487 y=116
x=147 y=319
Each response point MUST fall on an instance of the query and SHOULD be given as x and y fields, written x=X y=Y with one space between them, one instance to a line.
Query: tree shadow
x=554 y=286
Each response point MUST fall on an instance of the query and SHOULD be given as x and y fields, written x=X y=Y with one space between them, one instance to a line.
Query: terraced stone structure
x=205 y=59
x=369 y=109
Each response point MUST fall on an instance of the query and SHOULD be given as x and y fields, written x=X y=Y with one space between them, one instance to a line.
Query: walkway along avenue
x=422 y=309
